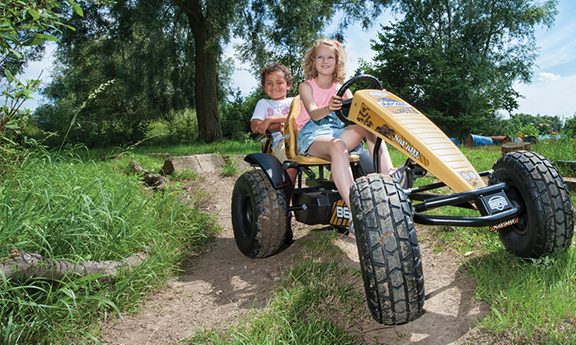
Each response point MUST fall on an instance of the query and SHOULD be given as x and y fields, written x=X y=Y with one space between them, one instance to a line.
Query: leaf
x=76 y=8
x=16 y=54
x=38 y=39
x=49 y=37
x=12 y=125
x=34 y=14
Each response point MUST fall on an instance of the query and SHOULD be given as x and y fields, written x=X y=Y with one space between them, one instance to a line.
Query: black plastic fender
x=271 y=166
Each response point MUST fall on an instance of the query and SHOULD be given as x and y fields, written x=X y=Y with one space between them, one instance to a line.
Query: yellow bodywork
x=409 y=131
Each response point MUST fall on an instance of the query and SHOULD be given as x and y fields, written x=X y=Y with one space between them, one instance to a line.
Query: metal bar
x=454 y=199
x=376 y=155
x=467 y=221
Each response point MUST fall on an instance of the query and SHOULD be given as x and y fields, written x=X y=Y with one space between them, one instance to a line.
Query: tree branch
x=157 y=181
x=23 y=265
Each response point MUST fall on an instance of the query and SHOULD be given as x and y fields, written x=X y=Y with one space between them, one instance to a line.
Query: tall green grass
x=79 y=211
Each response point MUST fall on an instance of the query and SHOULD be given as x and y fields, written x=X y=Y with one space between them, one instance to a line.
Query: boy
x=270 y=114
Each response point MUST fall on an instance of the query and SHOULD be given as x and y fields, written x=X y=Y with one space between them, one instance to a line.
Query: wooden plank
x=570 y=183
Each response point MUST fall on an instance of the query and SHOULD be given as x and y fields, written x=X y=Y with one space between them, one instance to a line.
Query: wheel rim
x=247 y=216
x=514 y=194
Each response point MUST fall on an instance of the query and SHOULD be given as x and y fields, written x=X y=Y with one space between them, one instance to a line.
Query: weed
x=231 y=167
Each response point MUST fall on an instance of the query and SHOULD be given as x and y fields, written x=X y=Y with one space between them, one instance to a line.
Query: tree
x=24 y=26
x=285 y=27
x=210 y=22
x=456 y=61
x=544 y=124
x=145 y=47
x=283 y=31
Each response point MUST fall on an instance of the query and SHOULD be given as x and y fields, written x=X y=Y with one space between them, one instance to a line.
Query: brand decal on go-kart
x=504 y=224
x=340 y=213
x=388 y=131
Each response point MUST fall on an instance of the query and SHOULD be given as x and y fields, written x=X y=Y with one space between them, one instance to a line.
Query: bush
x=235 y=116
x=182 y=127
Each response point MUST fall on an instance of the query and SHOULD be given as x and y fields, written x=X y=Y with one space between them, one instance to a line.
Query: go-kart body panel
x=413 y=134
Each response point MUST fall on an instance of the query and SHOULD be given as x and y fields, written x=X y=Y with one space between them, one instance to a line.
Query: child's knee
x=339 y=147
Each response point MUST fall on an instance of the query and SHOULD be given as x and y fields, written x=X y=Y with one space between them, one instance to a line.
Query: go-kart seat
x=291 y=139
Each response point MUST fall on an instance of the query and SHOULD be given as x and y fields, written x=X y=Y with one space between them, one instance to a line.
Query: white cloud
x=545 y=76
x=553 y=97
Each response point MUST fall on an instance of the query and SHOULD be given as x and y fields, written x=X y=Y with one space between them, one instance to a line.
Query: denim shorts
x=328 y=126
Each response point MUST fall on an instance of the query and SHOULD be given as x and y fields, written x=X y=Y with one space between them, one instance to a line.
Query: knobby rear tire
x=259 y=216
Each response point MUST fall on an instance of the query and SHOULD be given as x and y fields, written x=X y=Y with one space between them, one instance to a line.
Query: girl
x=326 y=136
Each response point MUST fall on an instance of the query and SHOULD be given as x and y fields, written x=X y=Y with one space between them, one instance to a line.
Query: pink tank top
x=321 y=98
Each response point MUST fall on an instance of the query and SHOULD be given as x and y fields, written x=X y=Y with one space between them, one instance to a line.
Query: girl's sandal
x=351 y=232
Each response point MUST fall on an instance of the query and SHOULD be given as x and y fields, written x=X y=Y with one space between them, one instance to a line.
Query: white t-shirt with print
x=267 y=107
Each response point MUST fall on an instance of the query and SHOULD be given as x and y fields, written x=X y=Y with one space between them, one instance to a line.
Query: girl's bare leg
x=354 y=134
x=337 y=152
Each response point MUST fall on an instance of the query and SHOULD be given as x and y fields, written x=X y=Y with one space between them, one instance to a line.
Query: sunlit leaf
x=76 y=7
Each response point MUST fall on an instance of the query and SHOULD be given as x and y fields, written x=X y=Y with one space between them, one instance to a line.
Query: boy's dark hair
x=276 y=67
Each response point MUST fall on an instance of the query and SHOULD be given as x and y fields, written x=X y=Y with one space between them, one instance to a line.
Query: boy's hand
x=263 y=126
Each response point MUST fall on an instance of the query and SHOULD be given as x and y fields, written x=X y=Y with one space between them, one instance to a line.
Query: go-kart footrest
x=326 y=184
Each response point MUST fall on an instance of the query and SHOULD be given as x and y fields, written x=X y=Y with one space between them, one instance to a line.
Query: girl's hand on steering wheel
x=335 y=103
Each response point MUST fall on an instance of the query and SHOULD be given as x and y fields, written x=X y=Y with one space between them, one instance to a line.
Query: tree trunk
x=22 y=265
x=206 y=95
x=206 y=71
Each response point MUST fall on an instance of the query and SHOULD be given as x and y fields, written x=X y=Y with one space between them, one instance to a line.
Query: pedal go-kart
x=525 y=200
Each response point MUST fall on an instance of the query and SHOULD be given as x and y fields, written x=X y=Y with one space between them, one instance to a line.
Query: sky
x=553 y=88
x=552 y=91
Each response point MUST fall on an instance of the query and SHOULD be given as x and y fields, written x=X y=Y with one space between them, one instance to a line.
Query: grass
x=530 y=301
x=81 y=208
x=227 y=147
x=78 y=210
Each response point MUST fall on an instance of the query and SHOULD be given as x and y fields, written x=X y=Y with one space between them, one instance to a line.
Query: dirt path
x=222 y=284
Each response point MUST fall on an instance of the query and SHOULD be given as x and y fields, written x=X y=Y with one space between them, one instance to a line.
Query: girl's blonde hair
x=310 y=71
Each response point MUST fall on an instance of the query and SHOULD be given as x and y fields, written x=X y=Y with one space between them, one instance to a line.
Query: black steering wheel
x=374 y=84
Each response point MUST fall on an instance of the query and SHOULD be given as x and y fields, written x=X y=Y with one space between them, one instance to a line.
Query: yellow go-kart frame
x=525 y=199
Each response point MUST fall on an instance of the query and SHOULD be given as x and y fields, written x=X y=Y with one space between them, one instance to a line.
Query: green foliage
x=236 y=115
x=282 y=31
x=536 y=125
x=145 y=47
x=457 y=61
x=24 y=26
x=27 y=23
x=182 y=127
x=528 y=130
x=294 y=27
x=86 y=210
x=231 y=167
x=570 y=128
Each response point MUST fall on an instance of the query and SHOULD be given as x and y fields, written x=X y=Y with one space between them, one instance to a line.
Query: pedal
x=413 y=172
